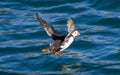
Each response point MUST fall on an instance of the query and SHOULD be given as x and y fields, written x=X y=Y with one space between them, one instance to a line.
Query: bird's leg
x=44 y=50
x=57 y=52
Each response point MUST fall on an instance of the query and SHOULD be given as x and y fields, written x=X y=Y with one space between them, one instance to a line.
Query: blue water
x=95 y=52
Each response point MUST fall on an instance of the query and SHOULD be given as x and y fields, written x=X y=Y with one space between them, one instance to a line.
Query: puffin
x=60 y=41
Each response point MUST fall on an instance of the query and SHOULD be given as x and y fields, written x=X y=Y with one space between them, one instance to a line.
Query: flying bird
x=60 y=41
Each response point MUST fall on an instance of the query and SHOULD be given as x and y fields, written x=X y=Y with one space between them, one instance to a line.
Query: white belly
x=67 y=44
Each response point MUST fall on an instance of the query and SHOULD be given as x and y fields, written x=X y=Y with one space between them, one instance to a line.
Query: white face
x=76 y=33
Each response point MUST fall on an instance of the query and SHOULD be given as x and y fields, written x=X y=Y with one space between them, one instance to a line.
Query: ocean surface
x=95 y=52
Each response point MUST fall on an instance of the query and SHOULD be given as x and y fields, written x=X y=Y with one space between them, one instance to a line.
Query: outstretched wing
x=70 y=24
x=47 y=27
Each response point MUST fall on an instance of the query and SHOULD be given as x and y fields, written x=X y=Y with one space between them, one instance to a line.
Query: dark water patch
x=47 y=3
x=21 y=49
x=100 y=66
x=61 y=9
x=23 y=43
x=114 y=22
x=64 y=66
x=61 y=22
x=19 y=57
x=84 y=44
x=22 y=31
x=10 y=4
x=23 y=34
x=87 y=18
x=111 y=56
x=107 y=32
x=10 y=73
x=5 y=11
x=105 y=5
x=96 y=65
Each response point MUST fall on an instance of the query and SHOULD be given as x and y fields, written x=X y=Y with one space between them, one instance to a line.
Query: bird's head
x=75 y=33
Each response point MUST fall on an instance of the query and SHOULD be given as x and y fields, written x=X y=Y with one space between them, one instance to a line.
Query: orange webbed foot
x=56 y=53
x=44 y=50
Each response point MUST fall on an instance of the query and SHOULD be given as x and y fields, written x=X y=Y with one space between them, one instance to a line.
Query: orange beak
x=78 y=34
x=44 y=50
x=56 y=53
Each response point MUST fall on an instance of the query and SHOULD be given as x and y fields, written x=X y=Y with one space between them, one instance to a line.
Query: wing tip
x=70 y=18
x=37 y=15
x=42 y=21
